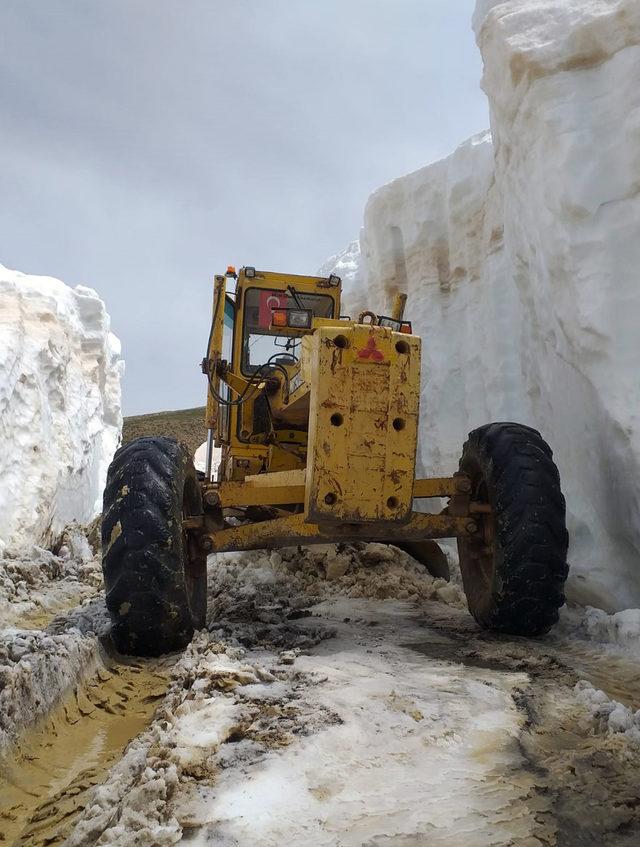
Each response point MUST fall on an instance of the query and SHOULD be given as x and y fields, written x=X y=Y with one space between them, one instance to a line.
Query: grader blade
x=430 y=554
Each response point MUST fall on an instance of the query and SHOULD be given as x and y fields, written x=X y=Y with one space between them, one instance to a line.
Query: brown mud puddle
x=45 y=780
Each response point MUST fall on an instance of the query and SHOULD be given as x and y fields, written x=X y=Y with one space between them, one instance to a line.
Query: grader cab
x=315 y=418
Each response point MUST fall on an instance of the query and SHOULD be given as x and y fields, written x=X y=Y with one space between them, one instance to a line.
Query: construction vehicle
x=317 y=418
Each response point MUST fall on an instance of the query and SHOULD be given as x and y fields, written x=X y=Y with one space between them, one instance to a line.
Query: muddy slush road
x=338 y=698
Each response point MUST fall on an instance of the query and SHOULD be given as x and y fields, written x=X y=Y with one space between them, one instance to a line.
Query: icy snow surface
x=330 y=702
x=363 y=719
x=60 y=420
x=520 y=256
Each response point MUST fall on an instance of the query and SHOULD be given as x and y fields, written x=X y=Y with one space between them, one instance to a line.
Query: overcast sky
x=146 y=144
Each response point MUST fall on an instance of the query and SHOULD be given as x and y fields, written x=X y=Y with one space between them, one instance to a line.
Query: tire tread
x=530 y=563
x=143 y=566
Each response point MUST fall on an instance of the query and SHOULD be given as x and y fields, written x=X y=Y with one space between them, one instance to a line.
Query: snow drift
x=520 y=254
x=60 y=419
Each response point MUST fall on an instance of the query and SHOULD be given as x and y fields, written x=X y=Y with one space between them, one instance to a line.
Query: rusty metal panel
x=363 y=424
x=282 y=532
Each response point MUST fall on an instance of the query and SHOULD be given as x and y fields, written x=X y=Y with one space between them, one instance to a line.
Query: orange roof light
x=279 y=317
x=231 y=271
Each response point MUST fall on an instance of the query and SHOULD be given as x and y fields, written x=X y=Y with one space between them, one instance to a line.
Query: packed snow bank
x=60 y=420
x=37 y=585
x=36 y=670
x=45 y=649
x=519 y=253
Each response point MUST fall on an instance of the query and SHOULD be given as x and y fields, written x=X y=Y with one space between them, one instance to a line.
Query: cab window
x=259 y=344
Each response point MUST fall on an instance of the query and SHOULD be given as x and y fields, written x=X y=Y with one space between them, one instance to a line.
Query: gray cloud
x=148 y=143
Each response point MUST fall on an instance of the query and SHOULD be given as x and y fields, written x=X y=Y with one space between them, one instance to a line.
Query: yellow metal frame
x=289 y=487
x=340 y=467
x=363 y=424
x=274 y=456
x=293 y=529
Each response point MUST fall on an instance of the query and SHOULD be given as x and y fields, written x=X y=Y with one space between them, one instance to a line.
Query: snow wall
x=520 y=253
x=60 y=419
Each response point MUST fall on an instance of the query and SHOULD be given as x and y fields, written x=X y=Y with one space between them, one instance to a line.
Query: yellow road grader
x=316 y=419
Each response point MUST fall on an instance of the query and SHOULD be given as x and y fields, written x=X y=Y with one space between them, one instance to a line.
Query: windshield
x=259 y=344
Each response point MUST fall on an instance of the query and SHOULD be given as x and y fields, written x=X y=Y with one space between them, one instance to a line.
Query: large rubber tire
x=154 y=575
x=514 y=571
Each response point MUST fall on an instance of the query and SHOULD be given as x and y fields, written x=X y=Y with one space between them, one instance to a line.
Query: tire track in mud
x=45 y=779
x=585 y=790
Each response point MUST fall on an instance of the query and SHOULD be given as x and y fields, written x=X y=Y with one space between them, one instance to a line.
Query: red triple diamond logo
x=371 y=351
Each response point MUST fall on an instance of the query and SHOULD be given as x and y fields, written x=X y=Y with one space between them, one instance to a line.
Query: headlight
x=383 y=320
x=250 y=272
x=295 y=318
x=300 y=318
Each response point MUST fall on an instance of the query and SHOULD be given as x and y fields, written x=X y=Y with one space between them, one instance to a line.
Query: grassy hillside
x=184 y=424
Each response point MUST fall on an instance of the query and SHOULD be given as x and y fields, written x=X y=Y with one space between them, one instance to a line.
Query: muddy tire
x=514 y=571
x=155 y=577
